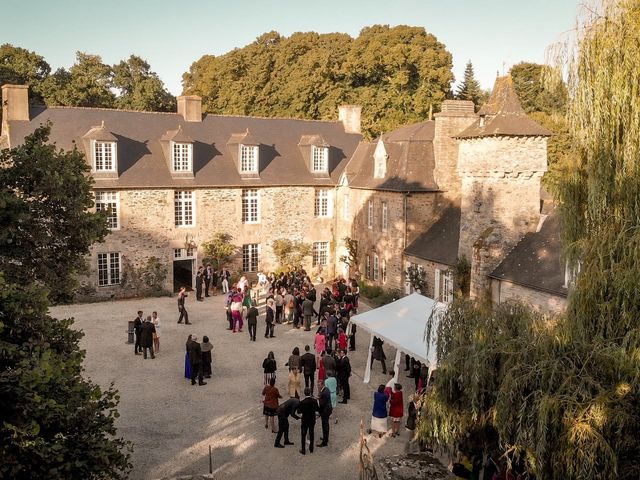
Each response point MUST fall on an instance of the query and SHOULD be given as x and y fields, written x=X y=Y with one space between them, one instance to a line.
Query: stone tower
x=502 y=157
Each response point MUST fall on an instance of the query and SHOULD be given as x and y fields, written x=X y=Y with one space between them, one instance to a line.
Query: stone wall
x=147 y=227
x=548 y=303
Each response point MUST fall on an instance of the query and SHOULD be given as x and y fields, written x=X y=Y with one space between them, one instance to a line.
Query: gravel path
x=172 y=423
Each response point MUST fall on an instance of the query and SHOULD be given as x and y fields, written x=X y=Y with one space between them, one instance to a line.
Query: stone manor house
x=463 y=184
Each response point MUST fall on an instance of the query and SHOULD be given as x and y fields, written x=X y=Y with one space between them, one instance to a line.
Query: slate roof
x=141 y=161
x=410 y=162
x=503 y=115
x=536 y=261
x=440 y=242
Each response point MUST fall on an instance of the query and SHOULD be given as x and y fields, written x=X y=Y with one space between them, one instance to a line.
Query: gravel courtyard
x=172 y=424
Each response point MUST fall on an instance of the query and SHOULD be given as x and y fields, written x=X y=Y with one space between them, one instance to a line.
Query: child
x=342 y=340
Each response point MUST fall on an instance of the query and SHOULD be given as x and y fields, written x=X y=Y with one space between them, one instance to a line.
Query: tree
x=19 y=66
x=535 y=96
x=470 y=88
x=219 y=248
x=140 y=88
x=290 y=254
x=45 y=226
x=351 y=258
x=417 y=278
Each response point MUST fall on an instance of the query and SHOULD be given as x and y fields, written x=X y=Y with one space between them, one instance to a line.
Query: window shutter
x=436 y=285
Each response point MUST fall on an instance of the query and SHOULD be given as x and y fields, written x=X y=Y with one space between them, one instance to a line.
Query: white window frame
x=319 y=159
x=250 y=257
x=443 y=285
x=376 y=267
x=103 y=203
x=108 y=267
x=322 y=203
x=370 y=214
x=385 y=216
x=102 y=147
x=367 y=271
x=182 y=199
x=346 y=211
x=320 y=255
x=184 y=253
x=250 y=197
x=248 y=158
x=182 y=156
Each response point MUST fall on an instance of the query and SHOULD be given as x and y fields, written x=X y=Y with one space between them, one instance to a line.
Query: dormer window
x=320 y=159
x=182 y=157
x=104 y=156
x=482 y=120
x=380 y=161
x=248 y=158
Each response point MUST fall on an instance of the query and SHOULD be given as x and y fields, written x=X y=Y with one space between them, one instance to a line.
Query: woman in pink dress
x=320 y=344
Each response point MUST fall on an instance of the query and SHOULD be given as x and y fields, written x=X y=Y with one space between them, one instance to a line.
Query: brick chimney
x=190 y=107
x=15 y=104
x=349 y=115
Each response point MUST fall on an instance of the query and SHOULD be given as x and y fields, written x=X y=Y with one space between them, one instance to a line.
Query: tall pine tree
x=470 y=89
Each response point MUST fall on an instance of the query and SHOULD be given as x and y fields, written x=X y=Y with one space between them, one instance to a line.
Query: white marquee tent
x=403 y=325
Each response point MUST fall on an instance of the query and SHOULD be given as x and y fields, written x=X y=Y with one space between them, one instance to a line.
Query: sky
x=170 y=35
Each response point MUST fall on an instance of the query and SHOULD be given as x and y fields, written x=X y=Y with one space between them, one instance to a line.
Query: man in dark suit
x=325 y=413
x=137 y=328
x=195 y=358
x=329 y=363
x=284 y=410
x=252 y=321
x=308 y=363
x=307 y=410
x=199 y=283
x=146 y=336
x=343 y=370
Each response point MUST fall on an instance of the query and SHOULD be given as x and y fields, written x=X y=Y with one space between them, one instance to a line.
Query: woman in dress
x=379 y=413
x=332 y=384
x=270 y=396
x=269 y=366
x=236 y=311
x=206 y=356
x=293 y=384
x=187 y=363
x=319 y=344
x=321 y=372
x=396 y=409
x=156 y=335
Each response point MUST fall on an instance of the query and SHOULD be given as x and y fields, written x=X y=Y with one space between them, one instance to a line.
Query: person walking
x=269 y=366
x=307 y=312
x=146 y=337
x=270 y=396
x=184 y=315
x=325 y=409
x=269 y=319
x=294 y=360
x=307 y=410
x=207 y=350
x=252 y=321
x=396 y=409
x=285 y=410
x=379 y=413
x=293 y=383
x=137 y=329
x=195 y=358
x=343 y=371
x=199 y=284
x=308 y=364
x=156 y=336
x=378 y=354
x=320 y=344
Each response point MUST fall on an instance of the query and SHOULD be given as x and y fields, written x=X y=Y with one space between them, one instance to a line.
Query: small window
x=184 y=253
x=320 y=253
x=109 y=202
x=443 y=288
x=321 y=205
x=108 y=269
x=104 y=156
x=370 y=214
x=376 y=267
x=250 y=206
x=380 y=160
x=182 y=156
x=250 y=257
x=346 y=207
x=320 y=157
x=385 y=216
x=184 y=206
x=248 y=158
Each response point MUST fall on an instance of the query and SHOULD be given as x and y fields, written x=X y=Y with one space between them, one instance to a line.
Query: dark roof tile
x=440 y=242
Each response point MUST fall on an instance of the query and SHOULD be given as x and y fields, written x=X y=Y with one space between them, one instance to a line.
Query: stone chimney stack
x=350 y=115
x=190 y=107
x=15 y=104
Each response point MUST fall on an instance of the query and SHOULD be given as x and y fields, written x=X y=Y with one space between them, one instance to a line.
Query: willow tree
x=563 y=395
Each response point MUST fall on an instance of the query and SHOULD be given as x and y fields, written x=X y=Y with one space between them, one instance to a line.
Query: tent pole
x=367 y=368
x=396 y=365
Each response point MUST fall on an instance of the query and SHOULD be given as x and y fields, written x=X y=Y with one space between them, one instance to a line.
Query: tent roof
x=403 y=325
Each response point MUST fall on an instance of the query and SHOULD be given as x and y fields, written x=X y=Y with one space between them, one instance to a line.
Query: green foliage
x=55 y=424
x=45 y=226
x=395 y=73
x=290 y=254
x=417 y=278
x=219 y=249
x=376 y=295
x=470 y=88
x=19 y=66
x=140 y=88
x=534 y=94
x=148 y=279
x=462 y=277
x=351 y=258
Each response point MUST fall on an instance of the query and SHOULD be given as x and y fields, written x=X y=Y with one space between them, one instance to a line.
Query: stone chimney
x=190 y=107
x=350 y=115
x=15 y=104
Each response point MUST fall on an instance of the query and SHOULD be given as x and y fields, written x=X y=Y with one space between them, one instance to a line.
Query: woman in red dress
x=396 y=409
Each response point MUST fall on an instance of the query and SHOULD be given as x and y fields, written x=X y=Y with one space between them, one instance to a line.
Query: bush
x=376 y=295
